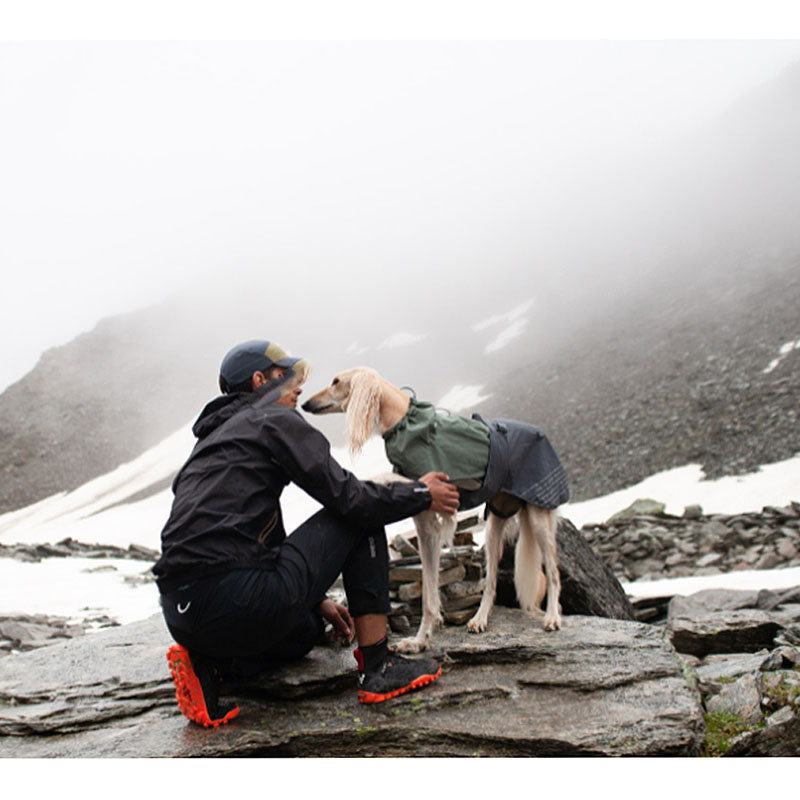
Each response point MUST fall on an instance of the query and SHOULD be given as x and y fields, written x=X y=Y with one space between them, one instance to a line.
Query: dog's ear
x=362 y=409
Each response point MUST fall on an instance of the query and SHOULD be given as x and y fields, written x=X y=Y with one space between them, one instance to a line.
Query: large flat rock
x=597 y=687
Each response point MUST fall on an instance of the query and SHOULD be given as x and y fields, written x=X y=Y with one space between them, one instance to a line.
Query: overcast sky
x=132 y=170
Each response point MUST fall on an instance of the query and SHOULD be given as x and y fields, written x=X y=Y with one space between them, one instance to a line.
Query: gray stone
x=399 y=623
x=695 y=629
x=768 y=561
x=782 y=715
x=776 y=740
x=709 y=559
x=402 y=544
x=768 y=600
x=693 y=512
x=751 y=555
x=648 y=569
x=596 y=687
x=790 y=595
x=790 y=656
x=787 y=550
x=409 y=591
x=686 y=547
x=733 y=665
x=772 y=662
x=742 y=697
x=638 y=508
x=716 y=530
x=725 y=599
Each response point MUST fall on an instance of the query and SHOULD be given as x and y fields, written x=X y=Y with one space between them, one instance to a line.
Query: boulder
x=588 y=586
x=742 y=698
x=638 y=508
x=779 y=739
x=699 y=629
x=597 y=687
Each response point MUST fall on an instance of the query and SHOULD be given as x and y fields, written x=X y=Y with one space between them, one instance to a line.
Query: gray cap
x=254 y=356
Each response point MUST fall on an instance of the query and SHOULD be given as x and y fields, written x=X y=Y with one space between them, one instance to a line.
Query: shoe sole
x=418 y=683
x=188 y=691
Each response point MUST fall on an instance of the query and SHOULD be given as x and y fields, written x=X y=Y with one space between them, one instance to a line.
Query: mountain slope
x=651 y=355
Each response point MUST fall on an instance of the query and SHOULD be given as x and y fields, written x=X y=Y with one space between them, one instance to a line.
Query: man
x=237 y=594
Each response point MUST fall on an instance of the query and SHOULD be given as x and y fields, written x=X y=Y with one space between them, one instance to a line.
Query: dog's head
x=355 y=392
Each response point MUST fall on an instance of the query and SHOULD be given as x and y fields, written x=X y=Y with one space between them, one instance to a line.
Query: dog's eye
x=334 y=381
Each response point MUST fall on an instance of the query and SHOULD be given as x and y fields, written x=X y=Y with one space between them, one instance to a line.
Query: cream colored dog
x=372 y=406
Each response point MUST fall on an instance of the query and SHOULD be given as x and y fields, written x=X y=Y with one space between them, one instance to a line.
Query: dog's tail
x=529 y=579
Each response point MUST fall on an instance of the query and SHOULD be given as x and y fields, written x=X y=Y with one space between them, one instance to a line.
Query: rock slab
x=597 y=687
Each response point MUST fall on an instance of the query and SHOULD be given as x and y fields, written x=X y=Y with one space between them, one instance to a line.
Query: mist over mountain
x=637 y=332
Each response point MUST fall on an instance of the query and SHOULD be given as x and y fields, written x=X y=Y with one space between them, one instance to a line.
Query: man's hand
x=339 y=617
x=444 y=494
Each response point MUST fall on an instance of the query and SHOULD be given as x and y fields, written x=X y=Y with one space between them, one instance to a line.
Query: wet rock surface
x=597 y=687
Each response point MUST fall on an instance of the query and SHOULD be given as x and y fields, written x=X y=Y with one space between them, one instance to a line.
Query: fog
x=394 y=180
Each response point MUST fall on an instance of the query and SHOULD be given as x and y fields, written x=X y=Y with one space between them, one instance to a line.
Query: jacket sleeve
x=304 y=453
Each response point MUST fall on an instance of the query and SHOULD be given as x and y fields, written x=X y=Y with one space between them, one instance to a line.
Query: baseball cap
x=242 y=361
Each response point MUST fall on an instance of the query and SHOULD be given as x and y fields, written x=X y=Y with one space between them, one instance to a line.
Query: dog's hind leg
x=432 y=530
x=493 y=548
x=529 y=579
x=543 y=522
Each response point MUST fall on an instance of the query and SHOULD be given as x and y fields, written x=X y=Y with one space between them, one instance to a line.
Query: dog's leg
x=493 y=548
x=543 y=522
x=432 y=530
x=529 y=579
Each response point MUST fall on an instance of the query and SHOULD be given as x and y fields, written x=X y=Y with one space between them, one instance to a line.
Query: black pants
x=247 y=620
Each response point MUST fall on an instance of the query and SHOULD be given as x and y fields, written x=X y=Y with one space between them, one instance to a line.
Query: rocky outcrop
x=742 y=651
x=699 y=629
x=70 y=547
x=596 y=687
x=655 y=546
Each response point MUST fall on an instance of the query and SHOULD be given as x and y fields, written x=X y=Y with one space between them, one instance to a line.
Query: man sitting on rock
x=238 y=594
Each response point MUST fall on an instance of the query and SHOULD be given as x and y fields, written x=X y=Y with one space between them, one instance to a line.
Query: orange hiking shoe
x=395 y=676
x=197 y=689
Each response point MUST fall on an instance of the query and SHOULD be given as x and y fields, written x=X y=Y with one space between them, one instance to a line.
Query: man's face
x=290 y=398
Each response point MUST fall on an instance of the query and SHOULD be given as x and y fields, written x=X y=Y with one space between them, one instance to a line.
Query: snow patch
x=784 y=351
x=771 y=485
x=508 y=316
x=754 y=580
x=461 y=397
x=86 y=514
x=514 y=330
x=77 y=587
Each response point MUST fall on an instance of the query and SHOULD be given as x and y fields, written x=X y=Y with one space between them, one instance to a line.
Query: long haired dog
x=372 y=405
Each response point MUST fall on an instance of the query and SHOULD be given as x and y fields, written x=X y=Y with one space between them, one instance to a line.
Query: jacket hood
x=218 y=411
x=222 y=408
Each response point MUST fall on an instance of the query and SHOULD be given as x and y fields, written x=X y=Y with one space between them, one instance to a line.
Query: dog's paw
x=552 y=622
x=477 y=624
x=410 y=646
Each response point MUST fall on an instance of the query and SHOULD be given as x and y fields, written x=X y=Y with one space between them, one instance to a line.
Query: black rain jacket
x=226 y=512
